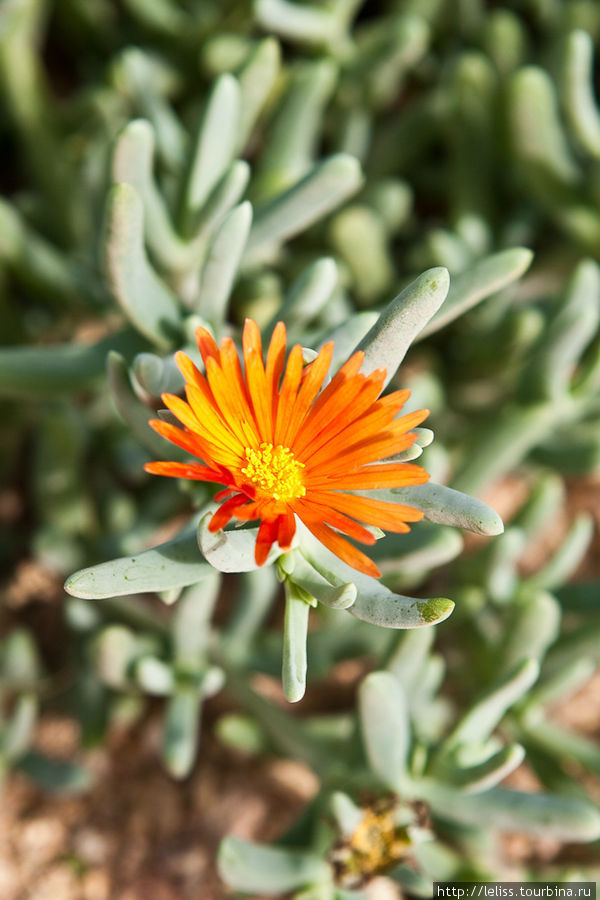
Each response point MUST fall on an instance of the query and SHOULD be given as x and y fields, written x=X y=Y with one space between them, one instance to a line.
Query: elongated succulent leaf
x=580 y=103
x=385 y=345
x=484 y=715
x=308 y=294
x=268 y=870
x=538 y=137
x=295 y=132
x=304 y=24
x=133 y=161
x=17 y=733
x=295 y=632
x=307 y=577
x=41 y=371
x=487 y=276
x=374 y=603
x=489 y=773
x=256 y=80
x=55 y=775
x=221 y=264
x=546 y=815
x=133 y=410
x=231 y=551
x=180 y=741
x=177 y=563
x=145 y=299
x=562 y=343
x=323 y=189
x=216 y=141
x=446 y=506
x=385 y=727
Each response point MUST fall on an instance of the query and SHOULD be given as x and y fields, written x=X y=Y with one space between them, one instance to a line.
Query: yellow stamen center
x=275 y=471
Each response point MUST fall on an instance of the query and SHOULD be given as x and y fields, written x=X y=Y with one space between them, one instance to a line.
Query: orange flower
x=282 y=449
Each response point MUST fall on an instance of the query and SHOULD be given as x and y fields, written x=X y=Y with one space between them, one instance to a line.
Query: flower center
x=275 y=471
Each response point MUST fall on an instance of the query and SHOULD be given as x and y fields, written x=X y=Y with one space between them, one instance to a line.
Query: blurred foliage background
x=171 y=162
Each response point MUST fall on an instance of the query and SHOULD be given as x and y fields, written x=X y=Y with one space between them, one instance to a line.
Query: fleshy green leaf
x=295 y=632
x=144 y=298
x=215 y=145
x=402 y=320
x=17 y=732
x=538 y=138
x=318 y=587
x=221 y=264
x=268 y=870
x=256 y=79
x=488 y=773
x=133 y=410
x=154 y=676
x=409 y=556
x=323 y=189
x=580 y=104
x=296 y=129
x=374 y=603
x=346 y=813
x=385 y=727
x=41 y=371
x=308 y=294
x=485 y=277
x=566 y=559
x=133 y=161
x=533 y=627
x=180 y=741
x=174 y=564
x=231 y=551
x=481 y=719
x=55 y=775
x=446 y=506
x=546 y=815
x=562 y=342
x=304 y=24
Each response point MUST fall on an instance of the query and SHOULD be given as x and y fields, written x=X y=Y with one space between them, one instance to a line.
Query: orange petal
x=274 y=366
x=329 y=398
x=381 y=446
x=341 y=547
x=207 y=345
x=184 y=470
x=374 y=477
x=262 y=400
x=225 y=512
x=225 y=395
x=232 y=372
x=184 y=439
x=287 y=395
x=267 y=535
x=361 y=404
x=189 y=369
x=213 y=428
x=382 y=513
x=307 y=393
x=321 y=415
x=326 y=513
x=377 y=417
x=183 y=412
x=286 y=529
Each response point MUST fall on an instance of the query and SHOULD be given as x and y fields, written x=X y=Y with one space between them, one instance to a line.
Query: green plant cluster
x=419 y=180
